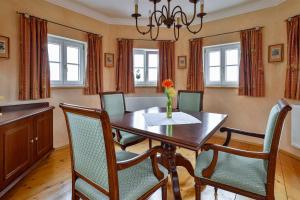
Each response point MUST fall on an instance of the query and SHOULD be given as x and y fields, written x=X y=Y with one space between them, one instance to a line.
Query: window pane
x=54 y=71
x=214 y=74
x=232 y=73
x=139 y=75
x=153 y=60
x=138 y=60
x=232 y=57
x=54 y=52
x=214 y=58
x=73 y=55
x=152 y=75
x=73 y=72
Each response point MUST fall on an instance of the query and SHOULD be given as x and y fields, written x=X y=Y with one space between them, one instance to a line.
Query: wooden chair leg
x=77 y=197
x=197 y=189
x=216 y=192
x=164 y=192
x=150 y=143
x=196 y=155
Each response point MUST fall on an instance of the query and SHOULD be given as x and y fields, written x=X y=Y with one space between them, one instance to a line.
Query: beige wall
x=244 y=112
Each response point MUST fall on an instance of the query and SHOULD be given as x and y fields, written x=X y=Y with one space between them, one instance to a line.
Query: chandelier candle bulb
x=178 y=20
x=136 y=6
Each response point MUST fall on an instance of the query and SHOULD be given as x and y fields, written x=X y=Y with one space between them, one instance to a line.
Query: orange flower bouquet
x=170 y=92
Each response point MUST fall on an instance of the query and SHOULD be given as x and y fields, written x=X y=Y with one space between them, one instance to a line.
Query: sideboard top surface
x=13 y=113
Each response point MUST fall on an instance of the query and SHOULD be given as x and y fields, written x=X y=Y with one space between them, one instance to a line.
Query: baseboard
x=259 y=145
x=67 y=146
x=289 y=154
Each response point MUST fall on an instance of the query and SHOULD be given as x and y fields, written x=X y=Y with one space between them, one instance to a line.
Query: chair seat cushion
x=240 y=172
x=126 y=137
x=133 y=182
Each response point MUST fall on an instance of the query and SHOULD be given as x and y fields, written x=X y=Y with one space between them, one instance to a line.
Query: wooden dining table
x=189 y=136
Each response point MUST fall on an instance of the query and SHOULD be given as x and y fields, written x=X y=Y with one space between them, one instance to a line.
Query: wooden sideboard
x=26 y=136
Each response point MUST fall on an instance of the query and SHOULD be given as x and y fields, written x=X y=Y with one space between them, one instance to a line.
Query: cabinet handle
x=36 y=138
x=31 y=141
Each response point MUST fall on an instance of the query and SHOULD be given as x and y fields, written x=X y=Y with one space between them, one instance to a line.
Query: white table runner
x=157 y=119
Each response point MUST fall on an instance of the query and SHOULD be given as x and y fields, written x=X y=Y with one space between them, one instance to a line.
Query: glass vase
x=169 y=108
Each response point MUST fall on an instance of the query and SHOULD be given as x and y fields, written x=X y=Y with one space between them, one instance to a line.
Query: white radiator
x=143 y=102
x=296 y=126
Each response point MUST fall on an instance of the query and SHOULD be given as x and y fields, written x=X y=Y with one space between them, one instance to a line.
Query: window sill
x=222 y=87
x=67 y=86
x=145 y=86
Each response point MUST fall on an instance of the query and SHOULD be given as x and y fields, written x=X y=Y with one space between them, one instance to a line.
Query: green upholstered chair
x=98 y=172
x=247 y=173
x=190 y=101
x=114 y=104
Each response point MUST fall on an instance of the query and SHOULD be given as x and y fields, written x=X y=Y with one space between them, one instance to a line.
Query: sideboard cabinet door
x=16 y=143
x=43 y=125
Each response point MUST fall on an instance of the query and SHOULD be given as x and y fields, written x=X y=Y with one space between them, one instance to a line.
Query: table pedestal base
x=170 y=160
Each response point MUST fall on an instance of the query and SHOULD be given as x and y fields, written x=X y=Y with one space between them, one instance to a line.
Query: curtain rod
x=290 y=18
x=52 y=22
x=208 y=36
x=144 y=39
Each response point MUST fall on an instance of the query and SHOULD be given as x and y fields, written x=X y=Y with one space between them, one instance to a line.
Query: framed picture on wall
x=4 y=47
x=276 y=53
x=182 y=62
x=109 y=59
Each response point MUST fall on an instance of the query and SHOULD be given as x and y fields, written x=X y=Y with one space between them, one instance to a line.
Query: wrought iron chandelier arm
x=158 y=21
x=176 y=28
x=151 y=34
x=183 y=17
x=138 y=29
x=200 y=28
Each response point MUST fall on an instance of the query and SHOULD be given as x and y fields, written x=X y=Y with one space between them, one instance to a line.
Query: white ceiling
x=119 y=11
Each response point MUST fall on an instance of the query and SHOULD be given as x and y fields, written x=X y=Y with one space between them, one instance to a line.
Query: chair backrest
x=92 y=148
x=190 y=101
x=113 y=102
x=272 y=138
x=275 y=124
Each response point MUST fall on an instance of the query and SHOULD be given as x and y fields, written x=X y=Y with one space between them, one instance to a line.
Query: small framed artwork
x=4 y=47
x=109 y=59
x=182 y=62
x=276 y=53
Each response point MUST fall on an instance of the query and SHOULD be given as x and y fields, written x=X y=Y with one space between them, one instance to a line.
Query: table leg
x=170 y=159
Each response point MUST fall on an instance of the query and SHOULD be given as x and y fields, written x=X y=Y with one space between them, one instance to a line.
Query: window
x=66 y=61
x=222 y=65
x=145 y=62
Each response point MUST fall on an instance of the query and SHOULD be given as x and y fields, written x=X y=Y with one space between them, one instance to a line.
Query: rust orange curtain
x=195 y=73
x=94 y=71
x=292 y=83
x=125 y=74
x=252 y=81
x=34 y=73
x=166 y=63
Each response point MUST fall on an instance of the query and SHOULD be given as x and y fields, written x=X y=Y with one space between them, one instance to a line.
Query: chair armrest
x=118 y=134
x=237 y=131
x=152 y=153
x=207 y=173
x=238 y=152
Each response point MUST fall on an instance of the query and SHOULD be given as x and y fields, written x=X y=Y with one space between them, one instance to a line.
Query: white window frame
x=222 y=48
x=146 y=53
x=64 y=43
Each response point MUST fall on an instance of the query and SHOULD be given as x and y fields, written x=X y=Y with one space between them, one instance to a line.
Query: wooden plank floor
x=51 y=180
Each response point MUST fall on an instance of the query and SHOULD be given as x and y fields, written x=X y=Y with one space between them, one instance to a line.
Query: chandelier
x=172 y=18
